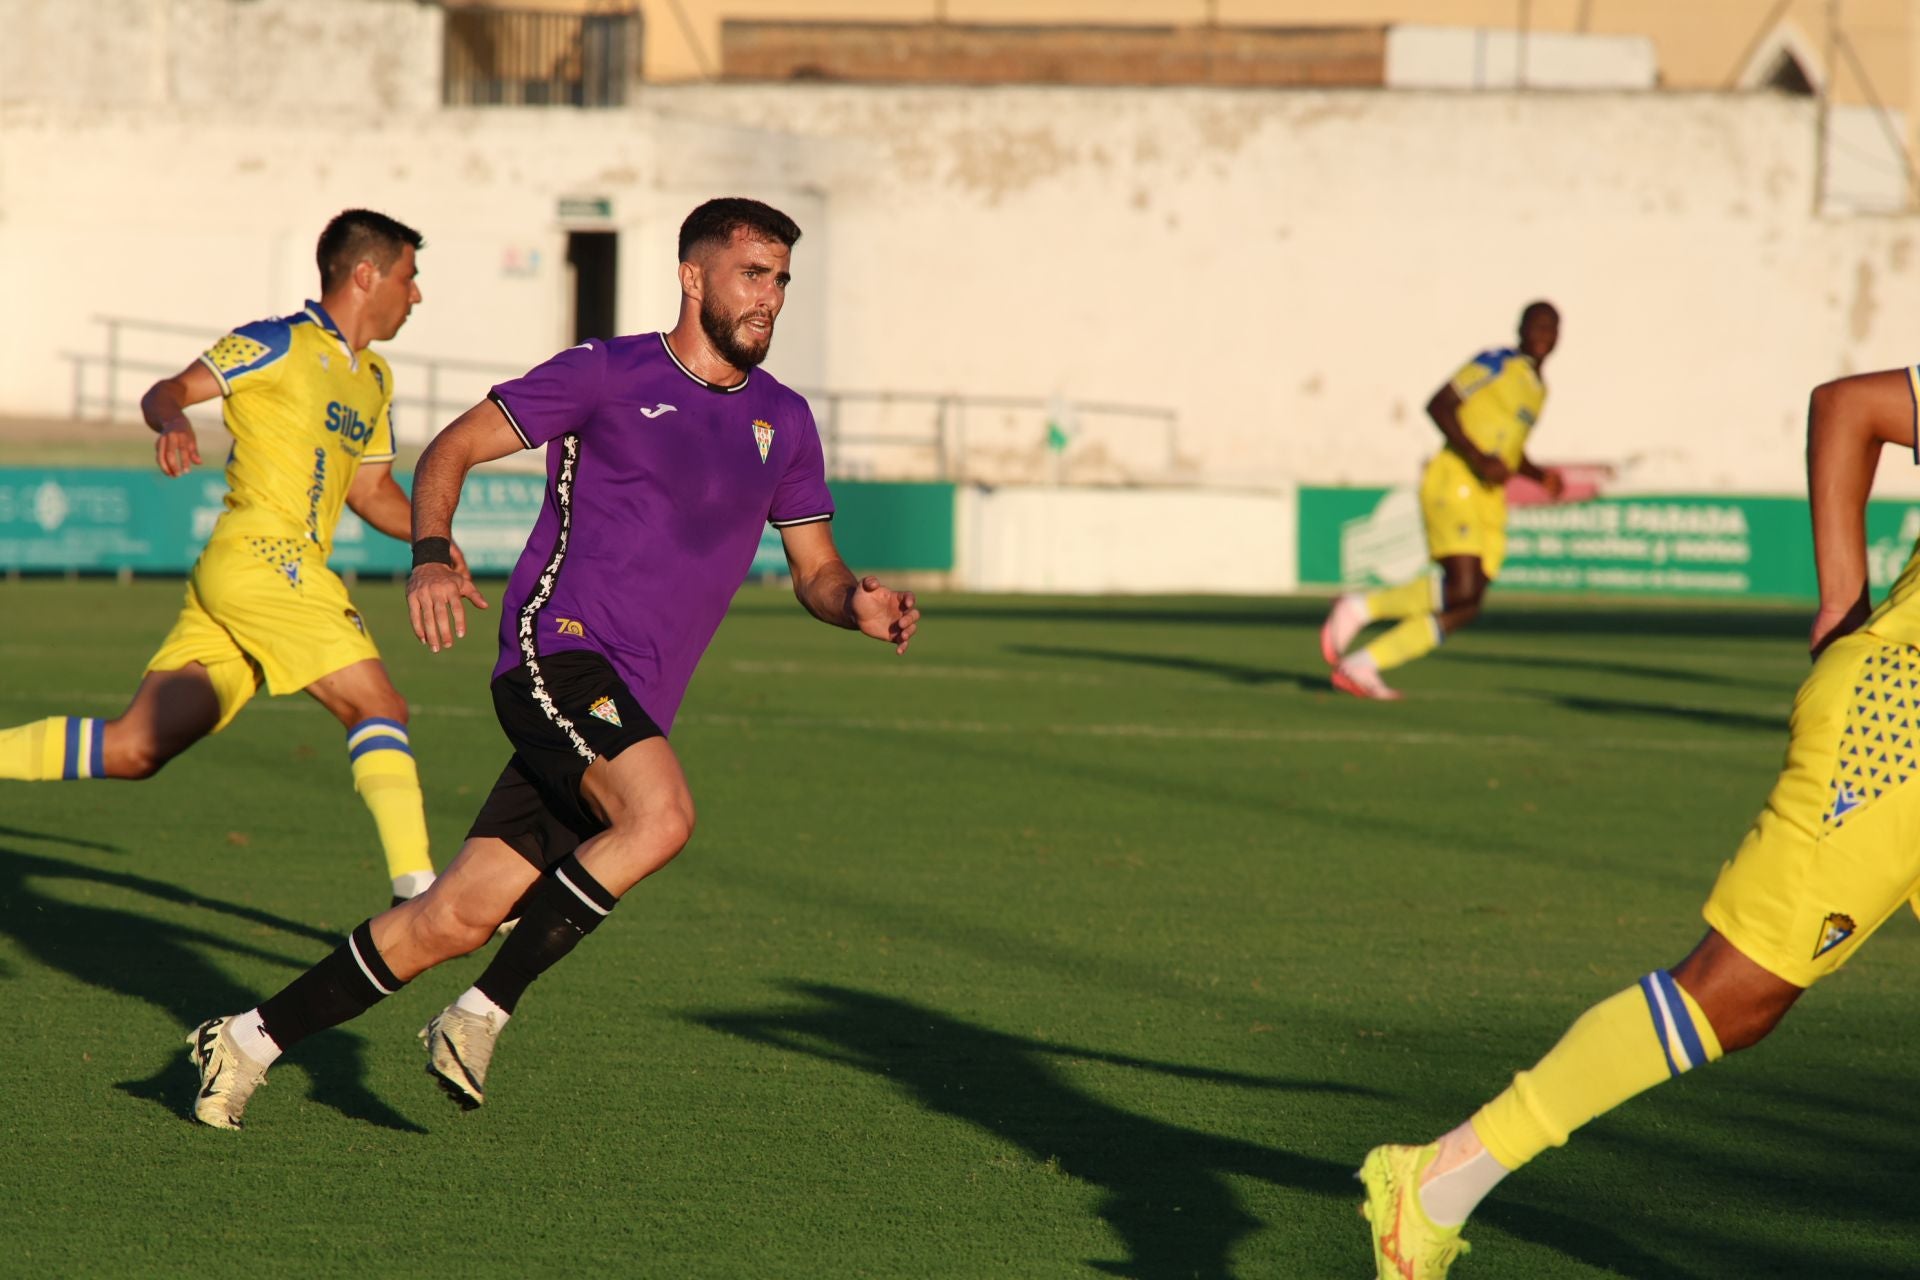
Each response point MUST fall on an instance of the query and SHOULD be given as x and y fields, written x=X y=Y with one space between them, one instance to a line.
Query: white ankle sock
x=412 y=884
x=251 y=1038
x=1449 y=1197
x=475 y=1001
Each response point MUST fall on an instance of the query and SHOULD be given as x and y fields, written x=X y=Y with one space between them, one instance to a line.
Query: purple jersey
x=658 y=487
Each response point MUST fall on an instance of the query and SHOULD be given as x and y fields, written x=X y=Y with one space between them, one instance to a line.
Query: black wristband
x=433 y=551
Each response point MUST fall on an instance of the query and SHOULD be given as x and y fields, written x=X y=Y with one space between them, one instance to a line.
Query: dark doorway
x=595 y=259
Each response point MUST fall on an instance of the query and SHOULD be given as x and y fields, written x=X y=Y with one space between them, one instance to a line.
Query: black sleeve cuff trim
x=511 y=420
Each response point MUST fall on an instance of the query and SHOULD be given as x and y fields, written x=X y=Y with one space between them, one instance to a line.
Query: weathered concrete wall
x=259 y=57
x=1297 y=272
x=1293 y=271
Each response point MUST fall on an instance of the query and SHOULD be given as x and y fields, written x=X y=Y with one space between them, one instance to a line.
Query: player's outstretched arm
x=439 y=581
x=1548 y=478
x=164 y=407
x=377 y=498
x=1848 y=421
x=823 y=583
x=1444 y=409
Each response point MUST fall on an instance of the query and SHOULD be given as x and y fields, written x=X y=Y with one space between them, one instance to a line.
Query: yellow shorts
x=264 y=609
x=1463 y=516
x=1837 y=849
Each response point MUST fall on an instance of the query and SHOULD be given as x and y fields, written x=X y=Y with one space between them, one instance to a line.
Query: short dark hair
x=1533 y=308
x=717 y=220
x=360 y=235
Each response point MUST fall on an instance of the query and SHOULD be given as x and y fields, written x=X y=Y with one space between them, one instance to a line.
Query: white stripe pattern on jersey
x=543 y=591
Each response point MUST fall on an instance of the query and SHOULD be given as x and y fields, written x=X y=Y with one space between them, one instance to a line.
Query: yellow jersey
x=304 y=411
x=1501 y=396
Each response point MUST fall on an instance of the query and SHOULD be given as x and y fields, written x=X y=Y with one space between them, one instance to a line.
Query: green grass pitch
x=1091 y=938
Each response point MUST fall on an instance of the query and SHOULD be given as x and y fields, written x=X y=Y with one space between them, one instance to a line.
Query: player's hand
x=177 y=450
x=1553 y=482
x=471 y=591
x=1834 y=622
x=885 y=614
x=434 y=593
x=1492 y=470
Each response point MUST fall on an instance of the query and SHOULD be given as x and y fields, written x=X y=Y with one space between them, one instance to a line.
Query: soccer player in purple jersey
x=668 y=455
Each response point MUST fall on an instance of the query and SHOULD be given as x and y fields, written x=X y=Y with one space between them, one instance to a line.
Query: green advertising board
x=59 y=519
x=1693 y=545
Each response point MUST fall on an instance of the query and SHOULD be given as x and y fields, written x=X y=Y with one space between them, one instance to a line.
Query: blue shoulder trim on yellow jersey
x=250 y=347
x=1495 y=360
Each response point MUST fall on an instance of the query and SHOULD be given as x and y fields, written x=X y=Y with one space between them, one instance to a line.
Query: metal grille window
x=517 y=57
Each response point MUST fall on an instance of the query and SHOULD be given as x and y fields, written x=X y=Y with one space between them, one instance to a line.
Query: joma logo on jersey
x=568 y=627
x=347 y=422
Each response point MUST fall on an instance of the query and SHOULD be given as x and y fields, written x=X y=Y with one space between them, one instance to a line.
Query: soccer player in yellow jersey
x=308 y=405
x=1834 y=853
x=1486 y=413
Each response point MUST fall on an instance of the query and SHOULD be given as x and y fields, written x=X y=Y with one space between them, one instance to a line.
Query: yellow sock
x=1624 y=1045
x=1415 y=637
x=59 y=748
x=385 y=776
x=1421 y=595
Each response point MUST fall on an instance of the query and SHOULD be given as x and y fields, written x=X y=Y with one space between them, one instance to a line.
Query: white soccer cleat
x=1359 y=677
x=1344 y=621
x=228 y=1076
x=459 y=1050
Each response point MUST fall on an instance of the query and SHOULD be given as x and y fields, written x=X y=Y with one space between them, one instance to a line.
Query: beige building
x=1860 y=57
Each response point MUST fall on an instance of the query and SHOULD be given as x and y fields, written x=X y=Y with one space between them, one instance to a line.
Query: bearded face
x=740 y=337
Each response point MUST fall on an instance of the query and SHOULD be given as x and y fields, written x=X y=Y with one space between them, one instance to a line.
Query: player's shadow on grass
x=163 y=963
x=1165 y=1188
x=1593 y=666
x=1232 y=672
x=1772 y=722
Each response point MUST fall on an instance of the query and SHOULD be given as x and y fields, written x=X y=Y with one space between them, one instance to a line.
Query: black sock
x=345 y=985
x=565 y=906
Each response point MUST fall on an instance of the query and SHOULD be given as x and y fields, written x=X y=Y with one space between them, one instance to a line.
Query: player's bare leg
x=362 y=698
x=1716 y=1001
x=642 y=796
x=170 y=712
x=1463 y=585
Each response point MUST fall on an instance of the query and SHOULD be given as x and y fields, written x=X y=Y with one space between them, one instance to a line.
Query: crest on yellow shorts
x=1834 y=930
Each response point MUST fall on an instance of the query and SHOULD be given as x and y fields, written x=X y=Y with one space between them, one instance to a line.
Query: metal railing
x=879 y=435
x=103 y=390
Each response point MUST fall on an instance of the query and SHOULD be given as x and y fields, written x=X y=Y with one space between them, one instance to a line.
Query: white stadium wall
x=1293 y=273
x=1109 y=541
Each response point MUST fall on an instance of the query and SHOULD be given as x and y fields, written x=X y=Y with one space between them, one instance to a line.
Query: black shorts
x=577 y=711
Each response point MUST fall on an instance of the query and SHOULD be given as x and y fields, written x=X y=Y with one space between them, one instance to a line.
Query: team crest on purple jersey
x=763 y=436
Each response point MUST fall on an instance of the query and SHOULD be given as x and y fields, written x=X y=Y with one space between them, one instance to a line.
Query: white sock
x=1361 y=661
x=475 y=1001
x=251 y=1038
x=1449 y=1197
x=412 y=884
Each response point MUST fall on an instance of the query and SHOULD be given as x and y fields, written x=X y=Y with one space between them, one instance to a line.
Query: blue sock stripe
x=97 y=762
x=379 y=743
x=1659 y=1023
x=72 y=767
x=1682 y=1020
x=376 y=725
